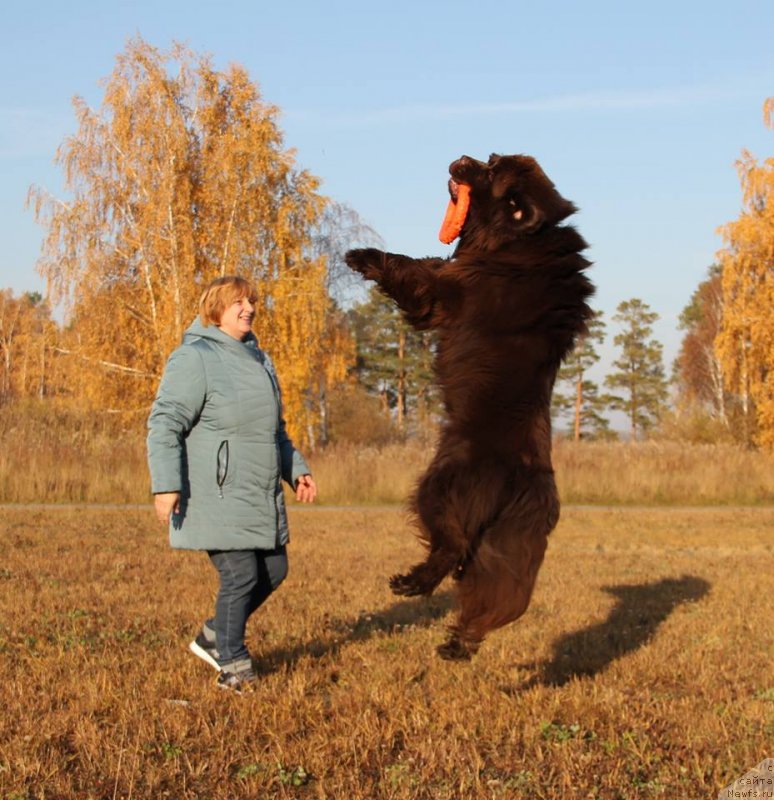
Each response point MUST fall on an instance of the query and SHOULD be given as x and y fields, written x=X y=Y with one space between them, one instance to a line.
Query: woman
x=218 y=451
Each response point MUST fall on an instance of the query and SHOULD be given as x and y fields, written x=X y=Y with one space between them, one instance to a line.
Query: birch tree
x=10 y=331
x=338 y=229
x=28 y=344
x=181 y=176
x=745 y=343
x=698 y=371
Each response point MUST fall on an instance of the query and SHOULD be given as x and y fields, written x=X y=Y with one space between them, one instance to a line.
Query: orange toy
x=456 y=212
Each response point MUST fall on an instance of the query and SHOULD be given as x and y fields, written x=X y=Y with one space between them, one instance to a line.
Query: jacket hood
x=196 y=330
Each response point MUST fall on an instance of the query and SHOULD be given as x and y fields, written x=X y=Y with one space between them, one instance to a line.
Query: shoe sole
x=234 y=689
x=237 y=688
x=200 y=652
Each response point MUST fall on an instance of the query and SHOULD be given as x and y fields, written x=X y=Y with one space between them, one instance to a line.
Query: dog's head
x=510 y=198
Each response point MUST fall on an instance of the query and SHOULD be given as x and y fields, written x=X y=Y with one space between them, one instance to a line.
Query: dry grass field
x=642 y=669
x=56 y=454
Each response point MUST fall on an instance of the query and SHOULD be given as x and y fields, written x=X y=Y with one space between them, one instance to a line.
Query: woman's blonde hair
x=220 y=294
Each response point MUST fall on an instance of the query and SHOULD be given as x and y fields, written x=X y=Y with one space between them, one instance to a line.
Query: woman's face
x=237 y=319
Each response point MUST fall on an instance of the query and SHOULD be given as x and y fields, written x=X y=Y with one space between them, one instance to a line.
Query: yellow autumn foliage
x=745 y=344
x=29 y=367
x=181 y=177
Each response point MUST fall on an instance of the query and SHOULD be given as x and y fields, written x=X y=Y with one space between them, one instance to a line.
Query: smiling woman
x=237 y=319
x=218 y=452
x=229 y=304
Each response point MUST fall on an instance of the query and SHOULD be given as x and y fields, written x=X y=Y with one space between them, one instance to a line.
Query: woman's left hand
x=306 y=489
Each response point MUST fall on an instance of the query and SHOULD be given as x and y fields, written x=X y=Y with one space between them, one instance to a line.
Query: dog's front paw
x=367 y=261
x=405 y=586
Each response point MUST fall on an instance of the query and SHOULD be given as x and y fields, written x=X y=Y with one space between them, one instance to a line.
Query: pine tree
x=583 y=402
x=394 y=361
x=640 y=368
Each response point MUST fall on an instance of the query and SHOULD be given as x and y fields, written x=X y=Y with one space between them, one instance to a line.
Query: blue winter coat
x=216 y=435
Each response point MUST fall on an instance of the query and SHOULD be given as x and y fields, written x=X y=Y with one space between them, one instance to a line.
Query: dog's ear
x=534 y=222
x=513 y=194
x=525 y=212
x=532 y=198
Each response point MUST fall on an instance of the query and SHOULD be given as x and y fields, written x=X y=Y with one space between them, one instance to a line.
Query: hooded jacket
x=217 y=436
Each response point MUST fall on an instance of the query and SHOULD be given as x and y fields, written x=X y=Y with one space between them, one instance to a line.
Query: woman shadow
x=631 y=623
x=404 y=615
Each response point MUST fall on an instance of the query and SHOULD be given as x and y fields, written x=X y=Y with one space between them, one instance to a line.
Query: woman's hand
x=306 y=489
x=167 y=503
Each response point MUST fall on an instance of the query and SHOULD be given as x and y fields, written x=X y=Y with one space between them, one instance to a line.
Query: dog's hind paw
x=406 y=586
x=454 y=650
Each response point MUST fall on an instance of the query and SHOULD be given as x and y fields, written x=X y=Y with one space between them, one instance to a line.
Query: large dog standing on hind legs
x=508 y=306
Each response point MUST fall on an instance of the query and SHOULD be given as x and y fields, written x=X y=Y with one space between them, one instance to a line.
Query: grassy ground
x=642 y=669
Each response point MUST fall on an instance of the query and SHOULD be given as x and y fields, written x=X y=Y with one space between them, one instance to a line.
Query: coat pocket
x=222 y=466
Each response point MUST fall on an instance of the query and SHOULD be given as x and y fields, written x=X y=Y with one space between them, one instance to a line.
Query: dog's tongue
x=456 y=213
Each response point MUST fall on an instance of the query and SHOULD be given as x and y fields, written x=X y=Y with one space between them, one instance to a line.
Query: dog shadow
x=630 y=625
x=421 y=612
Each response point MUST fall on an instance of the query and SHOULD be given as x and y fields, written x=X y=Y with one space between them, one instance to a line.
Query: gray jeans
x=247 y=578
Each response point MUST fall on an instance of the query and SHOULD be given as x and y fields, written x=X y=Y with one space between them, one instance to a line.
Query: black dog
x=508 y=306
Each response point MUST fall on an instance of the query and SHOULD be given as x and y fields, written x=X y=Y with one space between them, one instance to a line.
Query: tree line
x=182 y=175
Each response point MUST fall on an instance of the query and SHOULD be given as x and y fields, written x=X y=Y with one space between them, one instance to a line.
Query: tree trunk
x=42 y=378
x=323 y=415
x=578 y=406
x=634 y=410
x=745 y=394
x=401 y=379
x=25 y=365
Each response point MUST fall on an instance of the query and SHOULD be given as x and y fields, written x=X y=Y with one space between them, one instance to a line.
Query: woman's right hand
x=167 y=503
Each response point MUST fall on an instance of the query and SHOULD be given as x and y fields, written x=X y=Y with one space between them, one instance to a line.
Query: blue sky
x=637 y=111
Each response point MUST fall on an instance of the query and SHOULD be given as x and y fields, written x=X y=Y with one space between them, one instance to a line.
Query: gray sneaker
x=238 y=676
x=206 y=650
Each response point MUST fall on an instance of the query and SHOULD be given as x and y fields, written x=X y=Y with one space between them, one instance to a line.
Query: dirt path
x=393 y=507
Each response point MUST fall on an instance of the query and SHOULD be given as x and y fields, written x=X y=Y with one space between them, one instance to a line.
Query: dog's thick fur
x=508 y=306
